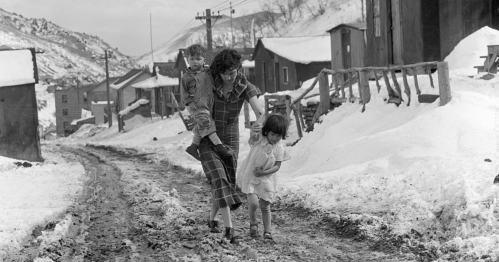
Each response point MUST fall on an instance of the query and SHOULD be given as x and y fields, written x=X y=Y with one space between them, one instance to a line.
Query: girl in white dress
x=256 y=175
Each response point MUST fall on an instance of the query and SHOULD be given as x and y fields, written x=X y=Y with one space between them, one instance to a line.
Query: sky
x=421 y=167
x=126 y=24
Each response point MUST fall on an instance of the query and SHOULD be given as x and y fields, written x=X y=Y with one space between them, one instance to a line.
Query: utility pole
x=362 y=2
x=231 y=30
x=208 y=18
x=110 y=116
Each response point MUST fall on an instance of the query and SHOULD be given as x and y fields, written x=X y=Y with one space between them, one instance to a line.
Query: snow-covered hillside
x=61 y=52
x=306 y=24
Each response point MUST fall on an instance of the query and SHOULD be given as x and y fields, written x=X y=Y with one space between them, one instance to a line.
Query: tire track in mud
x=135 y=209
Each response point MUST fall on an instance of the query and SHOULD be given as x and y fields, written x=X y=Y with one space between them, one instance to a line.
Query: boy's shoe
x=230 y=235
x=224 y=150
x=193 y=151
x=213 y=224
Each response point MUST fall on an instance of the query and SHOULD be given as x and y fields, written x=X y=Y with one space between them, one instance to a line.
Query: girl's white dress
x=262 y=154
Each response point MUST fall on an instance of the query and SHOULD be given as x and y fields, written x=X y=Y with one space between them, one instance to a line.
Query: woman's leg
x=225 y=212
x=214 y=210
x=252 y=207
x=266 y=215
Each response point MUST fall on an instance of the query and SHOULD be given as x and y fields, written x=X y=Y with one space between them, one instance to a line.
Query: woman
x=231 y=90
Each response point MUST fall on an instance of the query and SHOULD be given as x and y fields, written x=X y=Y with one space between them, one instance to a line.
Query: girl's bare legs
x=266 y=215
x=252 y=207
x=214 y=210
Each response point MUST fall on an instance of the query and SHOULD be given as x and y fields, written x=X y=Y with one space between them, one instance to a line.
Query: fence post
x=325 y=99
x=443 y=82
x=365 y=92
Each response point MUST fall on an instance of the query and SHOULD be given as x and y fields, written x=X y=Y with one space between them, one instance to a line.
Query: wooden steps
x=491 y=60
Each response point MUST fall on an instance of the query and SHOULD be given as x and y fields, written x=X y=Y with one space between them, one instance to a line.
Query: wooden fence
x=346 y=78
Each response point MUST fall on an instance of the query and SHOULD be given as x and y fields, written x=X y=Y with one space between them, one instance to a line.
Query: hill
x=61 y=52
x=306 y=20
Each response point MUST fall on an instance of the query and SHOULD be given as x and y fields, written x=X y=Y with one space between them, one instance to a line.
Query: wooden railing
x=361 y=77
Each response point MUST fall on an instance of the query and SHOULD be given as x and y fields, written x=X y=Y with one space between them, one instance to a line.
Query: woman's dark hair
x=228 y=59
x=278 y=124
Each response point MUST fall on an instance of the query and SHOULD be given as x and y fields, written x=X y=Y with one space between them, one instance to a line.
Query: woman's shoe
x=213 y=224
x=253 y=232
x=230 y=235
x=267 y=235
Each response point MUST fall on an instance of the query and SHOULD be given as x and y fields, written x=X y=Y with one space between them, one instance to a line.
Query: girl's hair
x=278 y=124
x=228 y=59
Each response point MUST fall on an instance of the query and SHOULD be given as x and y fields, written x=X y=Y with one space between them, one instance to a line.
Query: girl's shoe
x=267 y=235
x=230 y=235
x=213 y=224
x=253 y=232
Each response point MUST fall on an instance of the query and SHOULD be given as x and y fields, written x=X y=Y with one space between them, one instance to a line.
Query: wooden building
x=19 y=137
x=161 y=90
x=99 y=92
x=69 y=102
x=407 y=32
x=284 y=63
x=348 y=45
x=125 y=93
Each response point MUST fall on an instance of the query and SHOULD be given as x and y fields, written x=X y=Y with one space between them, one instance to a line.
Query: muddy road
x=133 y=209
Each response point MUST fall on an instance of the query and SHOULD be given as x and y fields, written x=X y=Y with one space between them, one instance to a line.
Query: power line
x=220 y=3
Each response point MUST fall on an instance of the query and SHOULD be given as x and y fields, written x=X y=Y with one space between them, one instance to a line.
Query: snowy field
x=423 y=167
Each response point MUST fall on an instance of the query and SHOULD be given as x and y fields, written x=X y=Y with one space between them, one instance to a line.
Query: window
x=64 y=98
x=285 y=77
x=85 y=97
x=65 y=111
x=377 y=18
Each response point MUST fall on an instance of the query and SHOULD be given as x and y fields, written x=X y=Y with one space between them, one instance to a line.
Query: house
x=348 y=44
x=69 y=102
x=99 y=92
x=19 y=137
x=125 y=92
x=408 y=32
x=160 y=89
x=284 y=63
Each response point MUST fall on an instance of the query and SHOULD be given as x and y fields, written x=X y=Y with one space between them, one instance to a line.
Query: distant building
x=284 y=63
x=69 y=102
x=125 y=92
x=19 y=135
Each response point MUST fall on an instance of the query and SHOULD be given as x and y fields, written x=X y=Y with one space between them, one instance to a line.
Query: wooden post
x=364 y=91
x=300 y=115
x=377 y=82
x=297 y=119
x=444 y=83
x=407 y=90
x=351 y=98
x=428 y=70
x=387 y=83
x=415 y=75
x=396 y=83
x=324 y=105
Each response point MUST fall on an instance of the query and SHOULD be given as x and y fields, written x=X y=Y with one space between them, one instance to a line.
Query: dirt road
x=133 y=209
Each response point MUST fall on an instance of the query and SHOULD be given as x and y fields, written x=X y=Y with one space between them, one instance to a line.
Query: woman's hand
x=258 y=172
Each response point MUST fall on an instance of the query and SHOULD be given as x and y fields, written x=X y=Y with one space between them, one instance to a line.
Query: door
x=277 y=78
x=346 y=55
x=396 y=29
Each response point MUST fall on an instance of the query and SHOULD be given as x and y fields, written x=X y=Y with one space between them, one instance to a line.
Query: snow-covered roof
x=16 y=67
x=304 y=50
x=360 y=26
x=124 y=80
x=102 y=102
x=75 y=121
x=133 y=106
x=248 y=64
x=156 y=81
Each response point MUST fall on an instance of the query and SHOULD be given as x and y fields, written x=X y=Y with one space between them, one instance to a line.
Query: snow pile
x=467 y=52
x=133 y=106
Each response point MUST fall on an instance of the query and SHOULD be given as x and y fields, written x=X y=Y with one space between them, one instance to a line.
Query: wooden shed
x=348 y=44
x=406 y=32
x=284 y=63
x=19 y=137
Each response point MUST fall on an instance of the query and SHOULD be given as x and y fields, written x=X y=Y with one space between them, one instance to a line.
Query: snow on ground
x=32 y=196
x=422 y=167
